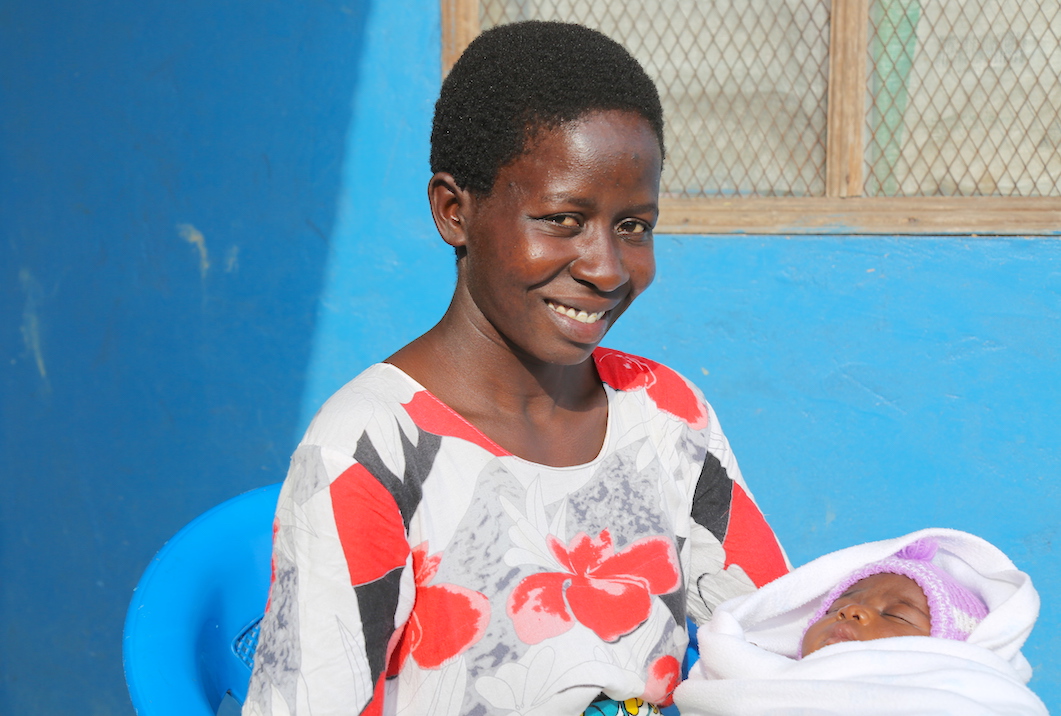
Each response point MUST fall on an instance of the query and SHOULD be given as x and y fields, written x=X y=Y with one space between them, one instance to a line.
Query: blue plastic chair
x=692 y=652
x=192 y=626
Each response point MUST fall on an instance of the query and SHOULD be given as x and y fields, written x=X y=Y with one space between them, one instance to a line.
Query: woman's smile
x=580 y=326
x=579 y=315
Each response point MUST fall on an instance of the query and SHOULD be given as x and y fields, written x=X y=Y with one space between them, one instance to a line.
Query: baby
x=929 y=623
x=902 y=595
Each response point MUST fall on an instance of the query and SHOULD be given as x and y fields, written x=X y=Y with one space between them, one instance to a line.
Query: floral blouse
x=420 y=568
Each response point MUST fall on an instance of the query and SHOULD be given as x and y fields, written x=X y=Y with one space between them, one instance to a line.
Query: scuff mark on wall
x=970 y=347
x=232 y=260
x=31 y=325
x=195 y=237
x=845 y=375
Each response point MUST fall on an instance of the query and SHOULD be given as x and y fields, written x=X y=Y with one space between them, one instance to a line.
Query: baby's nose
x=855 y=612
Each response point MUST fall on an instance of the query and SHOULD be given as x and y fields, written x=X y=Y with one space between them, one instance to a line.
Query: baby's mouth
x=580 y=316
x=840 y=633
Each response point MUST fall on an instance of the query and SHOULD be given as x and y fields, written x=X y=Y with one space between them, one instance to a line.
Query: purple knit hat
x=953 y=609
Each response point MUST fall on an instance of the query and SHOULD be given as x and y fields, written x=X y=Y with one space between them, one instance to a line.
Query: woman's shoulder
x=377 y=394
x=669 y=391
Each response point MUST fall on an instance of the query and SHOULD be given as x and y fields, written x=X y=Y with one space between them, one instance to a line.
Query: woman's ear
x=450 y=207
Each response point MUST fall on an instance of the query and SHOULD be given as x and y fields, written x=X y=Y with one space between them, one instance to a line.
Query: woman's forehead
x=599 y=122
x=623 y=134
x=605 y=158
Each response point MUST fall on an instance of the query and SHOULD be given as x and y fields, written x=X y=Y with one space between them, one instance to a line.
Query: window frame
x=842 y=210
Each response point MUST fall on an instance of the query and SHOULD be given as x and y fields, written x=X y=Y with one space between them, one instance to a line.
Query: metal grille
x=964 y=98
x=743 y=85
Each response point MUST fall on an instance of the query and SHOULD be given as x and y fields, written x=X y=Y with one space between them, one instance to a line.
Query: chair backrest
x=192 y=624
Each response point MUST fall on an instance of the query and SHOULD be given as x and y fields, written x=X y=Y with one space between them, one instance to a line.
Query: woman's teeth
x=580 y=316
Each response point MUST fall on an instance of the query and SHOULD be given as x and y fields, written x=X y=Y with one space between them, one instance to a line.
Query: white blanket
x=747 y=651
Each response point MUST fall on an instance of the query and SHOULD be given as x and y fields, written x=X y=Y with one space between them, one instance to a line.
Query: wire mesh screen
x=964 y=98
x=743 y=85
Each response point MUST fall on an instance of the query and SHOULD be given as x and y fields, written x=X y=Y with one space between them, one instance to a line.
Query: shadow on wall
x=169 y=174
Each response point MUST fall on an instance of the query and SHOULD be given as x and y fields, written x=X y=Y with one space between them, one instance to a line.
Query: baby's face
x=876 y=607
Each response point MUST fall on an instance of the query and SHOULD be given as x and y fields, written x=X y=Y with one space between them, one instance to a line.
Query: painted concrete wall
x=214 y=216
x=169 y=183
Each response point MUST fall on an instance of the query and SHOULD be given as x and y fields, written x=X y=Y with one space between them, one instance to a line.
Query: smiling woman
x=504 y=516
x=549 y=261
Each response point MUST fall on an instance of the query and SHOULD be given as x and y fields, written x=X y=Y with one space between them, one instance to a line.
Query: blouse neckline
x=608 y=430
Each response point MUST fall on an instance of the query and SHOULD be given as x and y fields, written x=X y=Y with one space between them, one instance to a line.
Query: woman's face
x=563 y=244
x=876 y=607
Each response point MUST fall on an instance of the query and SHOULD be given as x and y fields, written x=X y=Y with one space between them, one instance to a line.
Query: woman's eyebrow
x=589 y=203
x=565 y=198
x=642 y=208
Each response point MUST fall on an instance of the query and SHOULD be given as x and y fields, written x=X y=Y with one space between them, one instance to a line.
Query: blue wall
x=169 y=183
x=213 y=216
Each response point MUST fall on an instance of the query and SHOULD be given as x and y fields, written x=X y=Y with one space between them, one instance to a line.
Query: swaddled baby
x=902 y=595
x=929 y=623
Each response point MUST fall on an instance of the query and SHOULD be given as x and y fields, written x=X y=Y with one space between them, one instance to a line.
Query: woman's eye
x=565 y=220
x=632 y=227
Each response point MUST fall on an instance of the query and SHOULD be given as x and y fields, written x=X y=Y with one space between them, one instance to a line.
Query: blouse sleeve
x=341 y=589
x=733 y=549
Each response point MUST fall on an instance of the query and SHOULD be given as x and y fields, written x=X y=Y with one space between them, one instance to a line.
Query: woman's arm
x=733 y=549
x=340 y=592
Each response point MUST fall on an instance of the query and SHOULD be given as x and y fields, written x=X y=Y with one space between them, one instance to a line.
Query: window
x=850 y=116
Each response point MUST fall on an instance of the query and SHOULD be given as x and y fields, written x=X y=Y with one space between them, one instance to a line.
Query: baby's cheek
x=810 y=638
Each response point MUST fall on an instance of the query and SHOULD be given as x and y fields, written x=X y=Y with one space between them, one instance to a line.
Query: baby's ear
x=450 y=205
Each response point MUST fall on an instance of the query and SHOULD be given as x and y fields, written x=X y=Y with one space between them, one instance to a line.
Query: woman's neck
x=551 y=414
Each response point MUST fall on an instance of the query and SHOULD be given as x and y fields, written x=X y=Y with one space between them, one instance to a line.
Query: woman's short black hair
x=515 y=79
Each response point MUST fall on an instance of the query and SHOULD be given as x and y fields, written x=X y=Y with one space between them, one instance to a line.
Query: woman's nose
x=600 y=261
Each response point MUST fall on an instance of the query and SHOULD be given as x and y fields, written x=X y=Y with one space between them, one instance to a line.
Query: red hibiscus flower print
x=669 y=391
x=610 y=592
x=446 y=618
x=663 y=677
